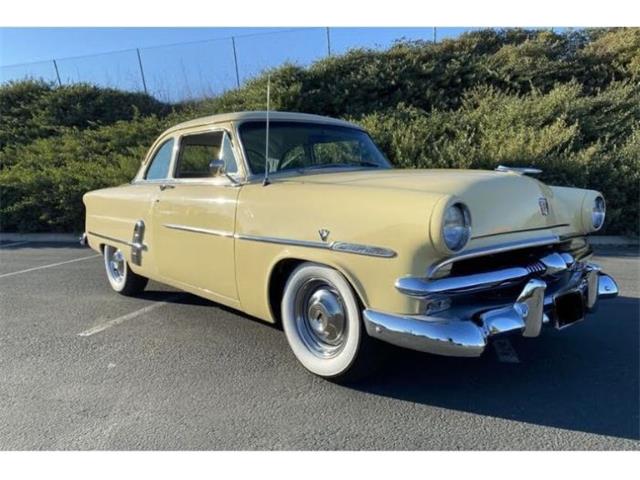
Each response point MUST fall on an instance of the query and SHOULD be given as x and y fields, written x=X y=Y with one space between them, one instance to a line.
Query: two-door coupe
x=343 y=250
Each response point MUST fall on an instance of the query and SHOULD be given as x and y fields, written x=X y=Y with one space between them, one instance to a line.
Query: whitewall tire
x=321 y=318
x=121 y=278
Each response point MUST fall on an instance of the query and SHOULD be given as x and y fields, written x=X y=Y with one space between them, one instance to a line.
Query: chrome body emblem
x=324 y=234
x=544 y=206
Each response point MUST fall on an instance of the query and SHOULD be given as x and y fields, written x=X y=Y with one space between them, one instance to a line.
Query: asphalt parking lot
x=83 y=368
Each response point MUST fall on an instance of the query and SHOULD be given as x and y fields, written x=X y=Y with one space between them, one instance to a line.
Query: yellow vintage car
x=300 y=220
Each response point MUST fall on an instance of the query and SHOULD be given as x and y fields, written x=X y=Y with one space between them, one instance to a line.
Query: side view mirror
x=216 y=167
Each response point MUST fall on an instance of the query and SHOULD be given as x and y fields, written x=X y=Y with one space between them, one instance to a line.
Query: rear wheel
x=121 y=278
x=321 y=319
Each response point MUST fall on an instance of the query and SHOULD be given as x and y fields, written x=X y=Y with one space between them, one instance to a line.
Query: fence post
x=434 y=34
x=328 y=42
x=235 y=61
x=55 y=65
x=144 y=83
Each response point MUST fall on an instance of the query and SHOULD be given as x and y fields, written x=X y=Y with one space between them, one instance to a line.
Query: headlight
x=456 y=226
x=598 y=212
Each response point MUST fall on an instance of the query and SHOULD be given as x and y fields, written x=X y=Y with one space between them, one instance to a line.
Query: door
x=194 y=216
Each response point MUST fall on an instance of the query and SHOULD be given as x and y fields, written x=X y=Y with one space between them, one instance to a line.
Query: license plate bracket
x=569 y=308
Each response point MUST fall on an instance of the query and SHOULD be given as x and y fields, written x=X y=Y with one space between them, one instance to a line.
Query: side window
x=198 y=151
x=159 y=168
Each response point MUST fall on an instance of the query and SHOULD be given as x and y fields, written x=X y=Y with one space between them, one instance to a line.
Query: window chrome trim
x=353 y=248
x=503 y=247
x=239 y=176
x=177 y=135
x=206 y=231
x=146 y=164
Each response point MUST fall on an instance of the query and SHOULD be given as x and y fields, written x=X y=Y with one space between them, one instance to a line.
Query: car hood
x=500 y=202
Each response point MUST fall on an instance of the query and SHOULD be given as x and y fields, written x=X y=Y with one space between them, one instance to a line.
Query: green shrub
x=33 y=109
x=567 y=102
x=43 y=190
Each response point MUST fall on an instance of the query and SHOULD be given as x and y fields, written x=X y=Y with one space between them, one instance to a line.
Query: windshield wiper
x=363 y=163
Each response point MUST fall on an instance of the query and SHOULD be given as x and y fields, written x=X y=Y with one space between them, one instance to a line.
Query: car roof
x=261 y=116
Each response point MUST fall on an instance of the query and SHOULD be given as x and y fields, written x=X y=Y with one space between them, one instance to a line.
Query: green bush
x=33 y=109
x=43 y=190
x=567 y=102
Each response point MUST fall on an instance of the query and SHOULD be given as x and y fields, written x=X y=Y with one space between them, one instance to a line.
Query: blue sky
x=179 y=63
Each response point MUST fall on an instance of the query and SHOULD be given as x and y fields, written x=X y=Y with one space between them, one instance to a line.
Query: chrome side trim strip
x=283 y=241
x=359 y=249
x=206 y=231
x=353 y=248
x=504 y=247
x=113 y=239
x=142 y=247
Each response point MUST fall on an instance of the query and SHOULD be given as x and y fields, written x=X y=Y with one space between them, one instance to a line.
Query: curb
x=597 y=240
x=613 y=241
x=40 y=237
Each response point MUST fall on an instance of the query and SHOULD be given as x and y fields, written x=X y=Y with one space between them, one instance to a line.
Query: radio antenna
x=266 y=143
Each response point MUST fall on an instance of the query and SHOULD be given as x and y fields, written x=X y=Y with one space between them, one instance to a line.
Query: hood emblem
x=544 y=206
x=324 y=234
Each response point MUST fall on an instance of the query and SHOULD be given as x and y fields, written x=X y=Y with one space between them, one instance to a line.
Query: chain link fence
x=193 y=70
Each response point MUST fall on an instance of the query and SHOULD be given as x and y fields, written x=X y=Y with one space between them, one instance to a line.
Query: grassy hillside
x=568 y=103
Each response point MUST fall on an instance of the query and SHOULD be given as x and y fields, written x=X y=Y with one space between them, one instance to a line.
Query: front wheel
x=322 y=322
x=121 y=278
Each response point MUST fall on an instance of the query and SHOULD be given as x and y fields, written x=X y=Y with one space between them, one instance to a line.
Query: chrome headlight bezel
x=456 y=226
x=598 y=212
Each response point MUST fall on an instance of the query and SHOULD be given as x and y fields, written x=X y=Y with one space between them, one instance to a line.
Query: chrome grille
x=536 y=267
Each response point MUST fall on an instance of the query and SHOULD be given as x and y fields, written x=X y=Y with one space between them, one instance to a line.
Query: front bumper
x=476 y=314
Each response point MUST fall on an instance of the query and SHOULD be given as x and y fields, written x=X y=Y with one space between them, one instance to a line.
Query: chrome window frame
x=148 y=161
x=171 y=179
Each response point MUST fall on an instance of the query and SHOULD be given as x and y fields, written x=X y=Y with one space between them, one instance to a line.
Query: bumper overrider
x=464 y=312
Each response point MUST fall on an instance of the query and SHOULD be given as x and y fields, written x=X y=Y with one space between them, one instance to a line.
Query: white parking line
x=129 y=316
x=46 y=266
x=13 y=244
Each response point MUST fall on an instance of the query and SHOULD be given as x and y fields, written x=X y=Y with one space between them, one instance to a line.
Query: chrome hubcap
x=321 y=318
x=116 y=264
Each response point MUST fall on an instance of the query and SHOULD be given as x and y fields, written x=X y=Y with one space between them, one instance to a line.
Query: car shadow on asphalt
x=183 y=298
x=585 y=378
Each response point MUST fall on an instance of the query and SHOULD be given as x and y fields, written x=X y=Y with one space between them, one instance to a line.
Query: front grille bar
x=550 y=264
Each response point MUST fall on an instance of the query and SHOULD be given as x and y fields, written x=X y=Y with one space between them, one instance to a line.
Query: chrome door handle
x=164 y=186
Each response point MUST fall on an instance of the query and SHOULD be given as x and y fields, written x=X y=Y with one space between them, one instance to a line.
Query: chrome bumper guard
x=465 y=328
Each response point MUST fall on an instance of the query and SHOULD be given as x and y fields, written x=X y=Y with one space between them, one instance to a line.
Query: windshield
x=295 y=146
